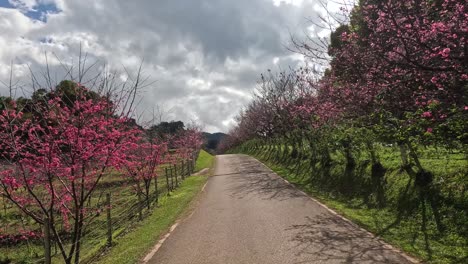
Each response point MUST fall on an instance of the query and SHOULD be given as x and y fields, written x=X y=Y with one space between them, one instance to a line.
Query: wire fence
x=117 y=207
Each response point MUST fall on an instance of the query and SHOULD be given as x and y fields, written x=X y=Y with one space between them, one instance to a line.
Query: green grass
x=204 y=160
x=133 y=246
x=421 y=241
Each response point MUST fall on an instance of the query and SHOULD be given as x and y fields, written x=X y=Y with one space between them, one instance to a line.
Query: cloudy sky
x=202 y=57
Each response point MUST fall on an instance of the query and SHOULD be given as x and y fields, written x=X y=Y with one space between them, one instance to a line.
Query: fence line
x=118 y=209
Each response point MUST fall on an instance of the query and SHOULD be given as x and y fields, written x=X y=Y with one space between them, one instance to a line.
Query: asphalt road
x=248 y=214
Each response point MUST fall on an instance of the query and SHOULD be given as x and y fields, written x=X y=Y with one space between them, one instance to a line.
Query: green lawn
x=205 y=160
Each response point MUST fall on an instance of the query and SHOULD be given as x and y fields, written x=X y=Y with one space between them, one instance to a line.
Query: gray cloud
x=204 y=56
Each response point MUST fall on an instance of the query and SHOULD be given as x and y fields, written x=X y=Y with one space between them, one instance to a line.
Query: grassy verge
x=205 y=160
x=409 y=233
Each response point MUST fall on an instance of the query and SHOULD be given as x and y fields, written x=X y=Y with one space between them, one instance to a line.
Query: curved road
x=248 y=214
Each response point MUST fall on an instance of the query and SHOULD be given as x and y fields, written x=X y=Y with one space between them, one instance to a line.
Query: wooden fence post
x=167 y=183
x=192 y=166
x=194 y=161
x=176 y=176
x=182 y=170
x=140 y=207
x=188 y=168
x=172 y=178
x=109 y=220
x=156 y=193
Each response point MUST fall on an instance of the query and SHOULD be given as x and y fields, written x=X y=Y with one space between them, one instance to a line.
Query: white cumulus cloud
x=203 y=58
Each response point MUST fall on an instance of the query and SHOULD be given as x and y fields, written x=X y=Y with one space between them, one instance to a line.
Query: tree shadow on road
x=256 y=179
x=329 y=239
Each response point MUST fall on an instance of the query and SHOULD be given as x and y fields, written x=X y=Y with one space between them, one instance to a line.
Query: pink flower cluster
x=23 y=236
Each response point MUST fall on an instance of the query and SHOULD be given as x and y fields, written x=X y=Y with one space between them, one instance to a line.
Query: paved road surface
x=248 y=214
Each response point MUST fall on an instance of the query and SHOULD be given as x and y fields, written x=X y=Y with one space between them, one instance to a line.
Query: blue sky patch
x=39 y=11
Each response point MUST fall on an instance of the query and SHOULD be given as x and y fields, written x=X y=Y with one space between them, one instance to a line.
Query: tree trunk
x=140 y=207
x=147 y=190
x=404 y=155
x=78 y=241
x=47 y=255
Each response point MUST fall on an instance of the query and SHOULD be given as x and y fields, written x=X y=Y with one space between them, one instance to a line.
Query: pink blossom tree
x=187 y=143
x=144 y=160
x=55 y=156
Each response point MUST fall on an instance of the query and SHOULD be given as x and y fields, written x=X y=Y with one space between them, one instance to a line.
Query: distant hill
x=212 y=140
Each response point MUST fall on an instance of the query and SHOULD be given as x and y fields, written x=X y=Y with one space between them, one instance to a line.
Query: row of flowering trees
x=56 y=147
x=398 y=75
